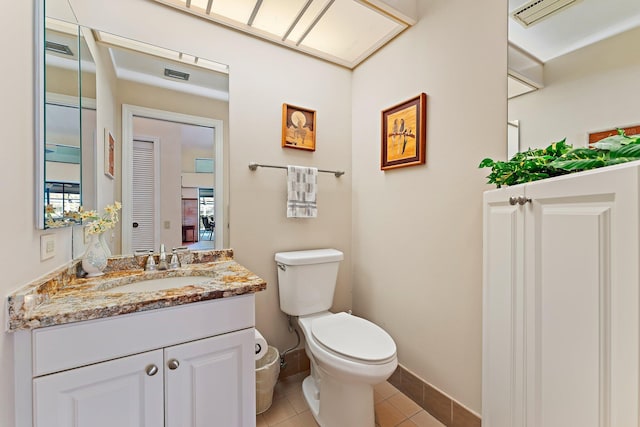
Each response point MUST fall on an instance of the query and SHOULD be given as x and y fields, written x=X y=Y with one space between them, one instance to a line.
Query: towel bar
x=253 y=166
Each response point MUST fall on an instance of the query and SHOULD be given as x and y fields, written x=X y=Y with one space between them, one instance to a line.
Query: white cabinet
x=184 y=366
x=114 y=393
x=560 y=302
x=208 y=382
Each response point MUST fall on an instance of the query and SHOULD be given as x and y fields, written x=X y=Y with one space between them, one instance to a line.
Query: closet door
x=503 y=365
x=581 y=264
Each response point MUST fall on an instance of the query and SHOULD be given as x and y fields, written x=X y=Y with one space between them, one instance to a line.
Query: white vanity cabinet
x=189 y=365
x=561 y=301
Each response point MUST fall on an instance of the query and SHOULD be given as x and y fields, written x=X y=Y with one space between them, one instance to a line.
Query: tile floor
x=393 y=409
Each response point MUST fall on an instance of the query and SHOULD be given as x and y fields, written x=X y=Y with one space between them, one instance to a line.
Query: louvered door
x=143 y=197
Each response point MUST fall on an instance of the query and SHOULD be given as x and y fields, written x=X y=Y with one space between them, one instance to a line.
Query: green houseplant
x=561 y=158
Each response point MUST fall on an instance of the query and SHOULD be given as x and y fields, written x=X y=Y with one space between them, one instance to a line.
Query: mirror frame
x=39 y=102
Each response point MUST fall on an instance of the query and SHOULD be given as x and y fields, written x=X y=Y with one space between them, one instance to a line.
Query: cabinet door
x=503 y=311
x=211 y=382
x=581 y=283
x=119 y=392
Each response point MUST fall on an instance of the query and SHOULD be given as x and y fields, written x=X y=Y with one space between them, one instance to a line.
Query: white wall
x=20 y=248
x=592 y=89
x=258 y=224
x=417 y=231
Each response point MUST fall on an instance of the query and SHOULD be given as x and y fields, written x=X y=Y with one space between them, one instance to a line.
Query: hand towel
x=301 y=189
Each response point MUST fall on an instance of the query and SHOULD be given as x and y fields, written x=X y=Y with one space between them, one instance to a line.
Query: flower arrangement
x=98 y=224
x=95 y=223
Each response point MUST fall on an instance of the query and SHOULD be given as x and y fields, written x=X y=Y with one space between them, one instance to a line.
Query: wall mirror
x=147 y=96
x=573 y=71
x=58 y=115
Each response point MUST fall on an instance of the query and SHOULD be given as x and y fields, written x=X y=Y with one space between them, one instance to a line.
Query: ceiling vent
x=535 y=11
x=176 y=74
x=58 y=48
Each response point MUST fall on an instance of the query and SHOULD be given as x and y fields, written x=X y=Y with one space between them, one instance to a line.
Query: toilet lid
x=353 y=337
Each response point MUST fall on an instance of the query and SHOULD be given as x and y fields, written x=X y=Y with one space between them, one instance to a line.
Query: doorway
x=170 y=228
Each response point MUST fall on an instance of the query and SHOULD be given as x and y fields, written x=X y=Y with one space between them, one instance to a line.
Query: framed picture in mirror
x=298 y=127
x=404 y=130
x=109 y=154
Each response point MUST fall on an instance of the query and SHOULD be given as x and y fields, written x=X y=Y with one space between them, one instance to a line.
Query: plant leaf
x=486 y=163
x=629 y=150
x=577 y=164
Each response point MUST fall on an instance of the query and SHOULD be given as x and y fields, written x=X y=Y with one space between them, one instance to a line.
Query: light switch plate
x=47 y=246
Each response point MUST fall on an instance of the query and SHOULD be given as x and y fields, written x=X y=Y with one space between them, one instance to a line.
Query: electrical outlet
x=47 y=246
x=167 y=225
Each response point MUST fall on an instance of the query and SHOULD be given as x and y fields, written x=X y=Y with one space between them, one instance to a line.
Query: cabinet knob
x=173 y=364
x=151 y=370
x=518 y=200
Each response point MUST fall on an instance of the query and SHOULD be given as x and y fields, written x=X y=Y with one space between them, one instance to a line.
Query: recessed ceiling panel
x=237 y=10
x=315 y=8
x=348 y=30
x=344 y=32
x=276 y=16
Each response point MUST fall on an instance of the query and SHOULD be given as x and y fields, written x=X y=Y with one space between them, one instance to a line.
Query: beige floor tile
x=385 y=390
x=407 y=423
x=280 y=410
x=387 y=415
x=304 y=419
x=424 y=419
x=260 y=421
x=298 y=401
x=289 y=384
x=405 y=405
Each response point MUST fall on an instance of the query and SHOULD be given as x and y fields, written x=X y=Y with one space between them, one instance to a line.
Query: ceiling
x=146 y=64
x=582 y=23
x=344 y=32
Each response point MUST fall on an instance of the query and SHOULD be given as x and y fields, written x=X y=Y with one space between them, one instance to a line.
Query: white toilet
x=348 y=354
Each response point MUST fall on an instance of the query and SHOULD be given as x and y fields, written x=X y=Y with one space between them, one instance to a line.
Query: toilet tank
x=307 y=280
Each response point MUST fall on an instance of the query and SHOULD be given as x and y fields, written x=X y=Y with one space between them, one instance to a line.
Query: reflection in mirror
x=583 y=66
x=70 y=119
x=61 y=136
x=166 y=113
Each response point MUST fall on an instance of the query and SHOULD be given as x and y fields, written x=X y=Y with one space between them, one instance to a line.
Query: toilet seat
x=353 y=337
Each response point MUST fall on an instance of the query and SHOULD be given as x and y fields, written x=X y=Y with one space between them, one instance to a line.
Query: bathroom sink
x=159 y=284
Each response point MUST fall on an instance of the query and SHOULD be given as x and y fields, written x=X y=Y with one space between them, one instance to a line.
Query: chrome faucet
x=175 y=263
x=162 y=264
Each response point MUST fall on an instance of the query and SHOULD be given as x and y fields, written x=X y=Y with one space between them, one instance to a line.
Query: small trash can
x=267 y=371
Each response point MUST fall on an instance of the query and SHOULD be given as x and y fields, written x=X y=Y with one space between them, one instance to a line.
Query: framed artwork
x=109 y=154
x=404 y=131
x=298 y=127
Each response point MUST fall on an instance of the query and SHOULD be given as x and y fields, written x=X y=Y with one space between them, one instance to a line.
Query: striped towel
x=301 y=189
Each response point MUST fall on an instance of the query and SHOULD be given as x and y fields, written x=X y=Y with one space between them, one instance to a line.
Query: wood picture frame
x=404 y=134
x=298 y=128
x=109 y=154
x=597 y=136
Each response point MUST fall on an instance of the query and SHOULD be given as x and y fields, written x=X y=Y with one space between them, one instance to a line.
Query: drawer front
x=82 y=343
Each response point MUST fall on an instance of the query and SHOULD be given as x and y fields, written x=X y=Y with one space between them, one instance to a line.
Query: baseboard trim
x=445 y=409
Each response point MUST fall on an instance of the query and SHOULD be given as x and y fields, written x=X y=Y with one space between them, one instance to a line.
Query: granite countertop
x=61 y=297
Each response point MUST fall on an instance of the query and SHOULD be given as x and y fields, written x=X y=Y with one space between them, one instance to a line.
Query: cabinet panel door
x=503 y=313
x=582 y=300
x=114 y=393
x=214 y=382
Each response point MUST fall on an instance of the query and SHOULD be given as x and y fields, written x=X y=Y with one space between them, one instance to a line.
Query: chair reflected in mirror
x=208 y=226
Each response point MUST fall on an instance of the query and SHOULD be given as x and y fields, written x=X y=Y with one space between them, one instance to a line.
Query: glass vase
x=94 y=260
